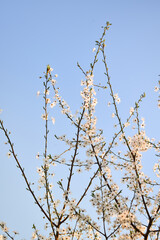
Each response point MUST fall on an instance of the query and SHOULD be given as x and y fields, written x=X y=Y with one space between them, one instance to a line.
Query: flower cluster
x=118 y=199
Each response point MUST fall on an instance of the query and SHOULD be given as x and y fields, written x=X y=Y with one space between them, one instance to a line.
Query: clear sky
x=35 y=33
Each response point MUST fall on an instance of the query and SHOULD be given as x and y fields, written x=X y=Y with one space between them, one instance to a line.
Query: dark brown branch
x=23 y=174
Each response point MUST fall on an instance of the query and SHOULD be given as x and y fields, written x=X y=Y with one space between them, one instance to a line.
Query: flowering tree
x=129 y=210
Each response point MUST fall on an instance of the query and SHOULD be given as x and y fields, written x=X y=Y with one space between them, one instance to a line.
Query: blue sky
x=60 y=33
